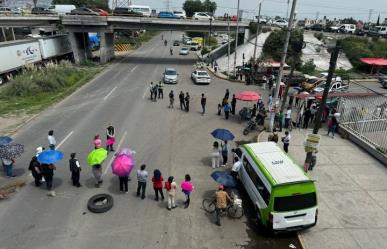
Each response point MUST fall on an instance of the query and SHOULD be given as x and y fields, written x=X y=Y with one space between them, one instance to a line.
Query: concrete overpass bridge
x=79 y=25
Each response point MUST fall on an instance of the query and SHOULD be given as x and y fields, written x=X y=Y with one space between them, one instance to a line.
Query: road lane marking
x=64 y=139
x=107 y=96
x=131 y=71
x=146 y=90
x=117 y=148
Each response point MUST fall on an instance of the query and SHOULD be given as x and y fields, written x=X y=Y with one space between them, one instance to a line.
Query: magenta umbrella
x=123 y=164
x=248 y=96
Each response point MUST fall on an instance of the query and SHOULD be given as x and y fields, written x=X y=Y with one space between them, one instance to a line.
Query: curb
x=222 y=76
x=301 y=240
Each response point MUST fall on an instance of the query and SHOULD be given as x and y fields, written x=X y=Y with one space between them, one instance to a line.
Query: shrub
x=319 y=36
x=309 y=67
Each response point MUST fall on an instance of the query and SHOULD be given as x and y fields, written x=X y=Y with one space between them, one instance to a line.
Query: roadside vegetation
x=135 y=39
x=36 y=89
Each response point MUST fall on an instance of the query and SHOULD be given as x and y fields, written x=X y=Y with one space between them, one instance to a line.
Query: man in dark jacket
x=48 y=173
x=75 y=169
x=187 y=99
x=181 y=99
x=203 y=102
x=35 y=170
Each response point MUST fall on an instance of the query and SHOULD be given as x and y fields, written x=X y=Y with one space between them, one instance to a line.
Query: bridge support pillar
x=106 y=47
x=81 y=46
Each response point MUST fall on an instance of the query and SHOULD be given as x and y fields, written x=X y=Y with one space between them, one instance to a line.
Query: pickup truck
x=335 y=87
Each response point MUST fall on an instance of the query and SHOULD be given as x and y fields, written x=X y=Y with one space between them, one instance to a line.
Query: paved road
x=174 y=141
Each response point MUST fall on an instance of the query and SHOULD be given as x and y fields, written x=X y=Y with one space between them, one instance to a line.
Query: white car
x=202 y=16
x=180 y=13
x=200 y=77
x=280 y=23
x=194 y=46
x=335 y=87
x=184 y=51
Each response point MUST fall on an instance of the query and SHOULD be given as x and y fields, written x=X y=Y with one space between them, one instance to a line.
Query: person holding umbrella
x=48 y=173
x=95 y=160
x=75 y=169
x=47 y=159
x=215 y=155
x=8 y=167
x=122 y=165
x=157 y=180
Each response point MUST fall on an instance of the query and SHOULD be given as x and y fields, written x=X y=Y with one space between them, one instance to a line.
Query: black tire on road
x=100 y=203
x=246 y=131
x=235 y=211
x=209 y=205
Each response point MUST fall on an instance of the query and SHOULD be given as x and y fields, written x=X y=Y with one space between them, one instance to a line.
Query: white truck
x=20 y=53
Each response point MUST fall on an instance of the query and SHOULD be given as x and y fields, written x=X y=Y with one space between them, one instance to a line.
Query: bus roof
x=275 y=164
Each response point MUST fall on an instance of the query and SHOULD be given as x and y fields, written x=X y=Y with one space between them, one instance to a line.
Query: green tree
x=209 y=6
x=349 y=20
x=101 y=4
x=274 y=44
x=191 y=6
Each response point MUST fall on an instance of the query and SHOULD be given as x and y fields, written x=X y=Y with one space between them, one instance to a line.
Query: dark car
x=384 y=83
x=167 y=14
x=40 y=11
x=120 y=11
x=176 y=43
x=84 y=11
x=317 y=27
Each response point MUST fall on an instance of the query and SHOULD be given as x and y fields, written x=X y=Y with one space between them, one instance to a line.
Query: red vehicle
x=101 y=12
x=233 y=18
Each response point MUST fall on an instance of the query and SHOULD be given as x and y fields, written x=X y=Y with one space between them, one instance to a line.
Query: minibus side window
x=263 y=191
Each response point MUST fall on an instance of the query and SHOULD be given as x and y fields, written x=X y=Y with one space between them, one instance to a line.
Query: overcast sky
x=359 y=9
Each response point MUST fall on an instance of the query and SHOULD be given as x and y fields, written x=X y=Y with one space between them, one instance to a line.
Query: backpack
x=167 y=185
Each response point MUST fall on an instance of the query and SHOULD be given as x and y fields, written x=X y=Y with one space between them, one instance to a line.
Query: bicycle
x=233 y=209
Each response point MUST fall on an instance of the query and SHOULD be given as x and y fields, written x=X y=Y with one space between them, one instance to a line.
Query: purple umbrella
x=123 y=164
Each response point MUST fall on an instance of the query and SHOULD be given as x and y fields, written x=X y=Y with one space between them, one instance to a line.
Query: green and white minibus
x=283 y=195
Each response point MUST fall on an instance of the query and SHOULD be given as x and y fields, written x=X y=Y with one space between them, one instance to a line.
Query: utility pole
x=229 y=46
x=317 y=122
x=258 y=31
x=236 y=39
x=287 y=10
x=281 y=70
x=369 y=15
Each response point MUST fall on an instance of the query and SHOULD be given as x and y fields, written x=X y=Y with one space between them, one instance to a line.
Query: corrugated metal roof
x=280 y=167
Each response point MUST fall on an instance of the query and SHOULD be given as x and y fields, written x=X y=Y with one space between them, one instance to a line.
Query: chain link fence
x=366 y=117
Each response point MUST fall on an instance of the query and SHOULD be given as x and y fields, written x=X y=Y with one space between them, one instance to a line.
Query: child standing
x=170 y=186
x=187 y=188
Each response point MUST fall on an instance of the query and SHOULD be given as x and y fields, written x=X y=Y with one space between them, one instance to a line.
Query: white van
x=284 y=197
x=347 y=28
x=180 y=13
x=145 y=10
x=62 y=9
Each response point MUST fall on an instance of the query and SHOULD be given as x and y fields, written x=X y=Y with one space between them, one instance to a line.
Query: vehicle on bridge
x=200 y=77
x=284 y=196
x=84 y=11
x=121 y=11
x=21 y=53
x=41 y=11
x=143 y=9
x=170 y=76
x=180 y=13
x=167 y=14
x=62 y=9
x=202 y=16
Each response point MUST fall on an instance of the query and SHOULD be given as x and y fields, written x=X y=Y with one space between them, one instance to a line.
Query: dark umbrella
x=222 y=134
x=50 y=156
x=224 y=178
x=11 y=151
x=5 y=140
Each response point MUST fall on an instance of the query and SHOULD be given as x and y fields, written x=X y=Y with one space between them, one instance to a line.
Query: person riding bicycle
x=221 y=197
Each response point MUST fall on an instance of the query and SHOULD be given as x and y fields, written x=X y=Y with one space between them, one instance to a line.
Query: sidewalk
x=352 y=194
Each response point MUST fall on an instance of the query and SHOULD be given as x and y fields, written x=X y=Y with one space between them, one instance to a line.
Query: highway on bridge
x=172 y=140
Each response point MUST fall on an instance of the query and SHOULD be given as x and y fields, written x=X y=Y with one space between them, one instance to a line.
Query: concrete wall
x=106 y=47
x=81 y=46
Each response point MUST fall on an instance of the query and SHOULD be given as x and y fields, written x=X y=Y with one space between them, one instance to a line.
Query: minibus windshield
x=295 y=202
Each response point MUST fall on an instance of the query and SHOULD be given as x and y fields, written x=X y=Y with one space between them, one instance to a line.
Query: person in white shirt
x=288 y=117
x=236 y=167
x=51 y=140
x=286 y=141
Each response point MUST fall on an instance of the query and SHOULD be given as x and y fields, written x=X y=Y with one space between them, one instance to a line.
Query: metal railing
x=366 y=117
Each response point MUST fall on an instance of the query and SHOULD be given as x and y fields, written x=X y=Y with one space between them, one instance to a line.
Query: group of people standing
x=156 y=91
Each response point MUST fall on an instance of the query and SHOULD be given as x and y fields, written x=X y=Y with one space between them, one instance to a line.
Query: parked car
x=101 y=12
x=200 y=77
x=383 y=82
x=120 y=11
x=62 y=9
x=167 y=14
x=41 y=11
x=184 y=51
x=202 y=16
x=176 y=43
x=317 y=27
x=195 y=46
x=335 y=87
x=170 y=76
x=347 y=28
x=281 y=23
x=378 y=31
x=180 y=13
x=84 y=11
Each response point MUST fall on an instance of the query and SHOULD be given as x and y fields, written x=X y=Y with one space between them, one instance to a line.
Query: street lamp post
x=236 y=39
x=229 y=46
x=258 y=31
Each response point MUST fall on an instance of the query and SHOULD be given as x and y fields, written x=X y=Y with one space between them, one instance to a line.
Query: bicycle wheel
x=234 y=211
x=209 y=205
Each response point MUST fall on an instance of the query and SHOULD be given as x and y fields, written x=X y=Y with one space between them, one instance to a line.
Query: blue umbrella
x=5 y=140
x=224 y=178
x=50 y=156
x=222 y=134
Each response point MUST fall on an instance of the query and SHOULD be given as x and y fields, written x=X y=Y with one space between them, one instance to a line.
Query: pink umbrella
x=248 y=96
x=123 y=164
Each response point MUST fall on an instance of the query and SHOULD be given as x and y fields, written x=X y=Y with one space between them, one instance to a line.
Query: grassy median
x=36 y=89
